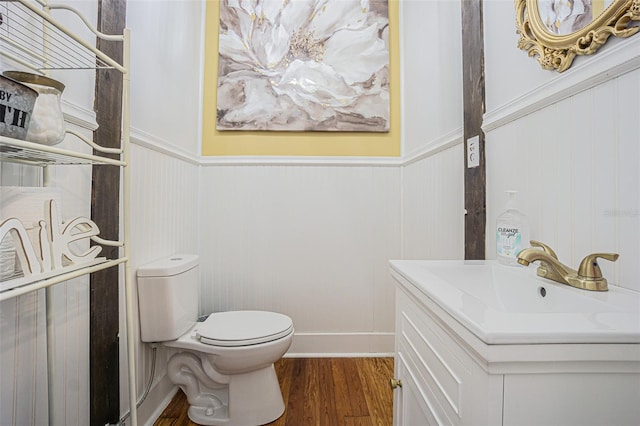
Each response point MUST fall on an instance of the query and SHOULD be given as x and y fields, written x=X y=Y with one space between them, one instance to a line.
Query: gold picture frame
x=557 y=51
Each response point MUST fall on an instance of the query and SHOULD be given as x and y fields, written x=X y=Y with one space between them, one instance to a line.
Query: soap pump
x=512 y=232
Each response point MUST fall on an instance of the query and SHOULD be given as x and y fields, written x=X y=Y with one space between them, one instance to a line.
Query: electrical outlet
x=473 y=152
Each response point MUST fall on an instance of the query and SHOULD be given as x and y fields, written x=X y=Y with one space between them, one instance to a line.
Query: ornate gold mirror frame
x=558 y=51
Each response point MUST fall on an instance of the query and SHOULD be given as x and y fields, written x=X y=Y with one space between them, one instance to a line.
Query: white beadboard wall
x=309 y=241
x=23 y=361
x=164 y=205
x=432 y=174
x=569 y=143
x=575 y=164
x=433 y=206
x=164 y=221
x=166 y=66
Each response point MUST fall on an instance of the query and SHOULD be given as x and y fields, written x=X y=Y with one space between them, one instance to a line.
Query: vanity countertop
x=502 y=304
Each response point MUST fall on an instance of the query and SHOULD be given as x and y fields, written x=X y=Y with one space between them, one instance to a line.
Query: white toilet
x=224 y=364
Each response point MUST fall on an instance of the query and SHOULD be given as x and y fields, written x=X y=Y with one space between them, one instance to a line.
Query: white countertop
x=505 y=304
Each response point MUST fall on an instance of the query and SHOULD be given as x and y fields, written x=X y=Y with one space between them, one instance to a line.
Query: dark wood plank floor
x=321 y=391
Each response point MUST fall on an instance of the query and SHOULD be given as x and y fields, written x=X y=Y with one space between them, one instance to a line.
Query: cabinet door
x=579 y=399
x=409 y=405
x=444 y=385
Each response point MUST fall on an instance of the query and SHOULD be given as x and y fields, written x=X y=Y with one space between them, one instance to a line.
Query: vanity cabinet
x=441 y=382
x=451 y=377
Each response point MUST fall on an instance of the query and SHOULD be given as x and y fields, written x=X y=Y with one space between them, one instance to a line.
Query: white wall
x=311 y=239
x=433 y=206
x=432 y=174
x=431 y=75
x=311 y=242
x=569 y=144
x=163 y=222
x=166 y=52
x=166 y=55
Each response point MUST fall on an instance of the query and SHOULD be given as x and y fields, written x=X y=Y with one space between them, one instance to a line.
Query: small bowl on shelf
x=47 y=126
x=16 y=107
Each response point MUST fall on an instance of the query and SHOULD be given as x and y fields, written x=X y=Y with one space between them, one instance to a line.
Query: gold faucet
x=587 y=277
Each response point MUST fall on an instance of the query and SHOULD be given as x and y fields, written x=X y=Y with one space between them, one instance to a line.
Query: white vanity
x=479 y=343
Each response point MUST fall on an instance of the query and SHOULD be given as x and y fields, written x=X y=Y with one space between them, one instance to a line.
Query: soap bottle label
x=509 y=239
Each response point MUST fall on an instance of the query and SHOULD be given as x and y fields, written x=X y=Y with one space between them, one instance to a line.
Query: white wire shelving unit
x=32 y=38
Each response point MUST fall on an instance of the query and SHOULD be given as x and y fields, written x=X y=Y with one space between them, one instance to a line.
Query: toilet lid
x=243 y=328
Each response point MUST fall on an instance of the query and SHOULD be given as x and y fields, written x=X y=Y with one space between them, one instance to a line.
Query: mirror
x=555 y=31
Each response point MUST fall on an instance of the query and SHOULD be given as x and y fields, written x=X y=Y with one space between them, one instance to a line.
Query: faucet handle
x=589 y=267
x=546 y=270
x=544 y=247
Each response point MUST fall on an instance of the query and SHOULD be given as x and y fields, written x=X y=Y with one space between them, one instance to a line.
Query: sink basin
x=511 y=305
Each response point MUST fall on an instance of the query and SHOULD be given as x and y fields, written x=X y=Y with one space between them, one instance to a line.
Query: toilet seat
x=243 y=328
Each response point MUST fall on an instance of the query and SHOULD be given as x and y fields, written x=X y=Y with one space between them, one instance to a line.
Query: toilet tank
x=168 y=294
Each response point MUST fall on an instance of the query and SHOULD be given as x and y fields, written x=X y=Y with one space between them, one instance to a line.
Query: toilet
x=224 y=363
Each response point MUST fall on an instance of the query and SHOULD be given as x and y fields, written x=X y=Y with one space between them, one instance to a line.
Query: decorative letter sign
x=54 y=239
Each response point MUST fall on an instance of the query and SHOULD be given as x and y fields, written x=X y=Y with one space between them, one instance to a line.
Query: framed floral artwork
x=303 y=65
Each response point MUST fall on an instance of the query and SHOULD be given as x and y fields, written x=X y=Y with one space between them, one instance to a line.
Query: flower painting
x=303 y=65
x=563 y=17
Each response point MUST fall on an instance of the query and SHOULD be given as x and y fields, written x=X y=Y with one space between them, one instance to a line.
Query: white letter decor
x=54 y=240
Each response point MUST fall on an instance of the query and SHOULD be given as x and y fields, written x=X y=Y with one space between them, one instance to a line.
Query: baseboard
x=310 y=345
x=158 y=399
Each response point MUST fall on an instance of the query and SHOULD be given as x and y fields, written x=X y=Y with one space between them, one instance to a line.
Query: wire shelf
x=24 y=285
x=31 y=37
x=17 y=151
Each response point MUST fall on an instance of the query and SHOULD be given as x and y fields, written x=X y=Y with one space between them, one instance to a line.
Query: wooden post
x=105 y=207
x=473 y=94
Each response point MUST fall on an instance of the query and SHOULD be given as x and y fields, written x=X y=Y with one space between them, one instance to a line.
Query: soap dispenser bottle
x=512 y=232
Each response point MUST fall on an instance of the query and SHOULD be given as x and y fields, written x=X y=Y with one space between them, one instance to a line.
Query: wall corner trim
x=606 y=65
x=149 y=141
x=432 y=148
x=79 y=116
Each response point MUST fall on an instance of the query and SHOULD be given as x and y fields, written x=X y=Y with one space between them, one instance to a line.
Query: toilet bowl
x=223 y=364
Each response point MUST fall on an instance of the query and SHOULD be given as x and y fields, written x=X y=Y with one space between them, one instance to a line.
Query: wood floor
x=321 y=391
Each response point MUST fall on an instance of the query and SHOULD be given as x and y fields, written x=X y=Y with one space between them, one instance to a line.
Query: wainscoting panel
x=23 y=361
x=310 y=242
x=164 y=205
x=164 y=221
x=433 y=206
x=575 y=164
